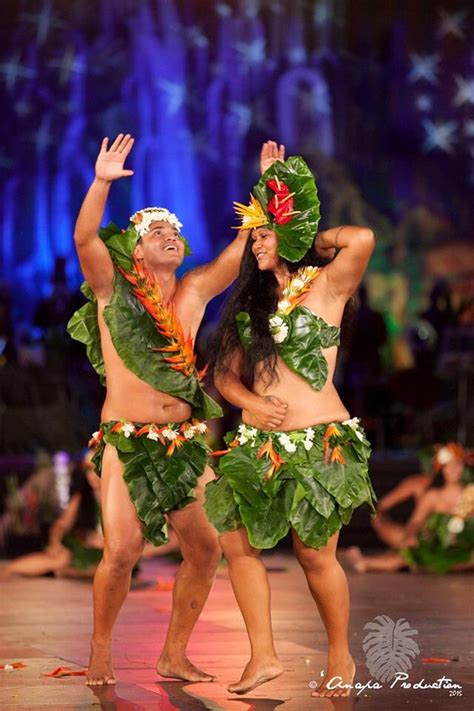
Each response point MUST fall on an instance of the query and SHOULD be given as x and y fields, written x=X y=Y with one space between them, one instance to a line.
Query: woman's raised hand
x=270 y=153
x=109 y=164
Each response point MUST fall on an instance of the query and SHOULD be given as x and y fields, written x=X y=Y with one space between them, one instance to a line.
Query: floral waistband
x=330 y=440
x=177 y=432
x=291 y=438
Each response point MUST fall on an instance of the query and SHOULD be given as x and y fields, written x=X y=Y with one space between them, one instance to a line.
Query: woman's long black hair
x=255 y=291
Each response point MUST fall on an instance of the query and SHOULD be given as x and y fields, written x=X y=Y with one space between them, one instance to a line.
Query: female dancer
x=440 y=534
x=297 y=461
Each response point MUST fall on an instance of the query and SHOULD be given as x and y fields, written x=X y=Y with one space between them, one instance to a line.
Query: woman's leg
x=250 y=584
x=36 y=564
x=388 y=562
x=328 y=585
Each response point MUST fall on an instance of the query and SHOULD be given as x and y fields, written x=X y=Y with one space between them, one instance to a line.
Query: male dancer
x=139 y=329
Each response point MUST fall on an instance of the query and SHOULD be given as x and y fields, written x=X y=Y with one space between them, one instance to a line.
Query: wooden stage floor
x=45 y=623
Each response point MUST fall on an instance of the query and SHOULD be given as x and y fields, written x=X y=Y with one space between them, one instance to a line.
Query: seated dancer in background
x=139 y=328
x=298 y=461
x=74 y=540
x=391 y=532
x=440 y=534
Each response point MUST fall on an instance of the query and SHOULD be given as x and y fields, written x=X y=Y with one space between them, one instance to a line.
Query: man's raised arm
x=212 y=279
x=94 y=258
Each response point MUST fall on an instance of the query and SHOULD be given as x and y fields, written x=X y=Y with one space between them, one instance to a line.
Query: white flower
x=189 y=432
x=444 y=456
x=308 y=444
x=284 y=305
x=309 y=432
x=278 y=328
x=286 y=442
x=142 y=219
x=127 y=429
x=297 y=284
x=353 y=423
x=153 y=435
x=455 y=524
x=201 y=427
x=169 y=434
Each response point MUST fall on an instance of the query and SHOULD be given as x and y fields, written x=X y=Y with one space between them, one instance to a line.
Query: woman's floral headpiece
x=286 y=199
x=447 y=453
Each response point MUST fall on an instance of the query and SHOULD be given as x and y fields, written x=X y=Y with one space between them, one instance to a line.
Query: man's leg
x=123 y=544
x=201 y=553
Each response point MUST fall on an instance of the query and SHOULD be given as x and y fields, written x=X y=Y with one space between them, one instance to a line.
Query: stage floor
x=45 y=623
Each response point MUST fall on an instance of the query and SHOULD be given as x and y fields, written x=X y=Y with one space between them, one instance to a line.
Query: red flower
x=282 y=203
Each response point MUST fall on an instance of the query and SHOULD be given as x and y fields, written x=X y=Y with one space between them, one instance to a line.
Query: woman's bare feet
x=100 y=672
x=255 y=674
x=182 y=669
x=339 y=677
x=356 y=559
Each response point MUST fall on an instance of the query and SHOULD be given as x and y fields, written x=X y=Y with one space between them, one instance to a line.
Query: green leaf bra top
x=299 y=334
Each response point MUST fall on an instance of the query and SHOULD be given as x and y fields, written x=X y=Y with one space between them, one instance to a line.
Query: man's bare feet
x=100 y=670
x=255 y=674
x=356 y=559
x=339 y=677
x=181 y=669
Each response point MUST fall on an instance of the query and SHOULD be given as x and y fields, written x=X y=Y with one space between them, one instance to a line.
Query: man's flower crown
x=142 y=219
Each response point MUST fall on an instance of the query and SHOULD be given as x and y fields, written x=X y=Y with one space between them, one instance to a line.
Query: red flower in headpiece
x=282 y=203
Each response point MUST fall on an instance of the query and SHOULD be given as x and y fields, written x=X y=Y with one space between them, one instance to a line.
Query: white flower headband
x=143 y=219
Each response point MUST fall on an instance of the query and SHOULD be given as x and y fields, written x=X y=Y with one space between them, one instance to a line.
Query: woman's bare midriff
x=306 y=406
x=129 y=398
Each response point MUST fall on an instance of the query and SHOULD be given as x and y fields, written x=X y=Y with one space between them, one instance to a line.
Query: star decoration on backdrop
x=439 y=135
x=44 y=21
x=13 y=70
x=243 y=114
x=176 y=95
x=469 y=128
x=322 y=13
x=68 y=64
x=452 y=24
x=252 y=52
x=424 y=102
x=196 y=37
x=223 y=10
x=297 y=55
x=424 y=67
x=464 y=92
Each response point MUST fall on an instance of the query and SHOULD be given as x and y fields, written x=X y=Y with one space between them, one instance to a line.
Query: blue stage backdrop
x=380 y=100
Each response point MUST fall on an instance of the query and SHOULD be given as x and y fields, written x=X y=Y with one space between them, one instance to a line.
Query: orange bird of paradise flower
x=176 y=443
x=331 y=431
x=147 y=290
x=337 y=455
x=276 y=461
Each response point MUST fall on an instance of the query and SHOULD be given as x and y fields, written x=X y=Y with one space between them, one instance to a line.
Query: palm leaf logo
x=389 y=647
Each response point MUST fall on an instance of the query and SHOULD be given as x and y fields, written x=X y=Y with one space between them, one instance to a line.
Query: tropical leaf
x=389 y=647
x=296 y=236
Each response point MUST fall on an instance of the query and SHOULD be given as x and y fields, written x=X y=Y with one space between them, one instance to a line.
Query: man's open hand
x=270 y=153
x=109 y=164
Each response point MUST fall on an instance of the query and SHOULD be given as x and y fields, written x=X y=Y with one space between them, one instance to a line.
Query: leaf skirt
x=437 y=549
x=310 y=480
x=157 y=482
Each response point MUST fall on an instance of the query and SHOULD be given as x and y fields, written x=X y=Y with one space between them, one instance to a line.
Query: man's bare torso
x=130 y=398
